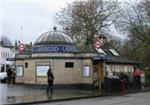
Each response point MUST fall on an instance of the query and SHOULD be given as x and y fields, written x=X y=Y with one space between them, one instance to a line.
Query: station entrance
x=98 y=75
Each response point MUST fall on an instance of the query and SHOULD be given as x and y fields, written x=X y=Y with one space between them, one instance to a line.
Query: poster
x=19 y=71
x=86 y=71
x=42 y=70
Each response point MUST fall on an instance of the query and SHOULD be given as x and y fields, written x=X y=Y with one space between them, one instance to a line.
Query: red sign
x=21 y=47
x=97 y=44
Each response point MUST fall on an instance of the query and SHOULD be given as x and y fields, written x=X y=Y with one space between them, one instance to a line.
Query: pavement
x=22 y=94
x=142 y=98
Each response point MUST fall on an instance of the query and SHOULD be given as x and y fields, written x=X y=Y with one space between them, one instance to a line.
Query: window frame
x=70 y=65
x=22 y=71
x=86 y=71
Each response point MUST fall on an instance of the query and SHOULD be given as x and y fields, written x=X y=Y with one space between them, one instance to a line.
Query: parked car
x=3 y=77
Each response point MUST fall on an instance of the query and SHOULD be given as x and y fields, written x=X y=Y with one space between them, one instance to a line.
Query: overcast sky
x=26 y=20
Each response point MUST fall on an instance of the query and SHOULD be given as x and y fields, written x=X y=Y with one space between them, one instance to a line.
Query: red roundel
x=97 y=44
x=21 y=47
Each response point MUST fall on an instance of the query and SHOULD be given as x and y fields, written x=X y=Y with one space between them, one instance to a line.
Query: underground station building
x=70 y=66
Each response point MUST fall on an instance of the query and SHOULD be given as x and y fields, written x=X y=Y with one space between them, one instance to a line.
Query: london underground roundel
x=97 y=44
x=21 y=47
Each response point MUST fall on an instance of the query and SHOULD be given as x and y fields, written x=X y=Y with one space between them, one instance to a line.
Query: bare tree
x=84 y=20
x=135 y=19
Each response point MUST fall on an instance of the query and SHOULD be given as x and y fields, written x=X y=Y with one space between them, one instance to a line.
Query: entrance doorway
x=98 y=75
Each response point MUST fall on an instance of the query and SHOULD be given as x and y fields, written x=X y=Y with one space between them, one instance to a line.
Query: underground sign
x=21 y=47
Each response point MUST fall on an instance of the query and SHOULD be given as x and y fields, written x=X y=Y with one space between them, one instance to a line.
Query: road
x=142 y=98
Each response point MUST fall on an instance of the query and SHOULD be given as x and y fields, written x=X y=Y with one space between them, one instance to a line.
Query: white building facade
x=6 y=52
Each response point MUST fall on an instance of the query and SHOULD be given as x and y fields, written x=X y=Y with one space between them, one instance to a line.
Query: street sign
x=21 y=47
x=10 y=59
x=54 y=48
x=97 y=44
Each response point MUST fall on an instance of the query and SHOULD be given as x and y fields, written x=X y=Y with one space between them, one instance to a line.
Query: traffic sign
x=21 y=47
x=97 y=44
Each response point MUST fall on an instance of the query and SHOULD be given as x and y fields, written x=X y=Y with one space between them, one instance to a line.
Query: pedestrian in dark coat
x=13 y=76
x=9 y=74
x=50 y=80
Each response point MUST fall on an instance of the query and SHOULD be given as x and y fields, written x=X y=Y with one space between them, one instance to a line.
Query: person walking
x=9 y=74
x=137 y=78
x=50 y=80
x=13 y=76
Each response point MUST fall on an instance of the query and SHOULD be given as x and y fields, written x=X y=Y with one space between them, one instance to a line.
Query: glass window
x=114 y=52
x=42 y=70
x=86 y=71
x=69 y=64
x=4 y=55
x=19 y=71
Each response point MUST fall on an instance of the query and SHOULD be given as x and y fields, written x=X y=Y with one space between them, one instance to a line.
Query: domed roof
x=54 y=42
x=4 y=41
x=53 y=37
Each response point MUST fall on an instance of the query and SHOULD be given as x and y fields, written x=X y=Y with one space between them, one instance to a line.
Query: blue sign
x=54 y=48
